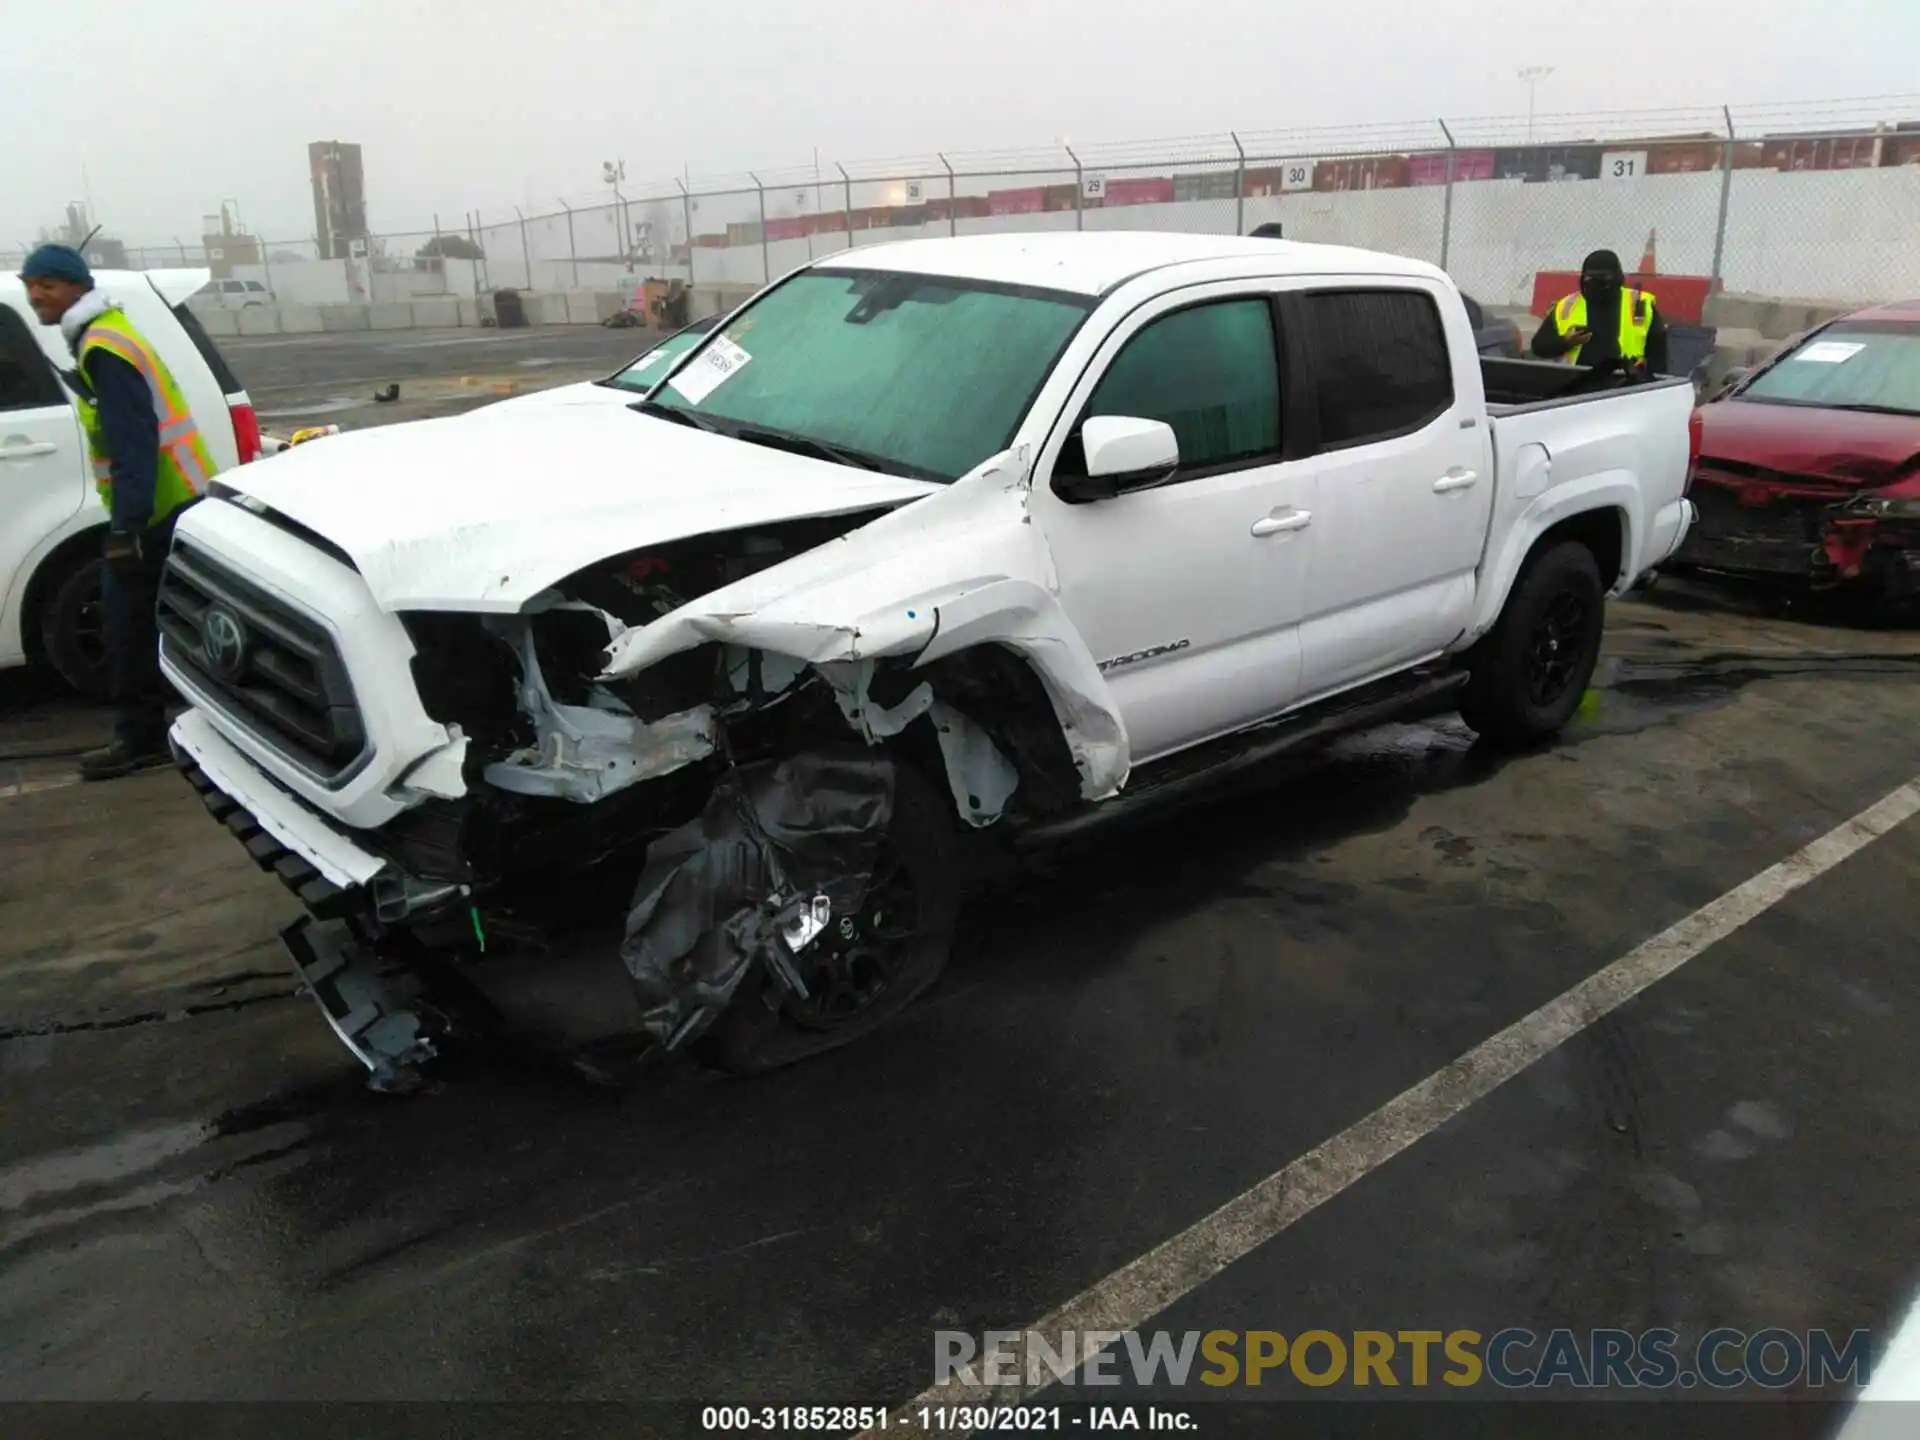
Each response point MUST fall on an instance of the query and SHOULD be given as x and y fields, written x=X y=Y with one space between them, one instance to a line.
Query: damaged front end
x=664 y=773
x=1873 y=541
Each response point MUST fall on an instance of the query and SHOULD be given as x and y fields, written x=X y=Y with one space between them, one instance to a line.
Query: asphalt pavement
x=198 y=1199
x=299 y=380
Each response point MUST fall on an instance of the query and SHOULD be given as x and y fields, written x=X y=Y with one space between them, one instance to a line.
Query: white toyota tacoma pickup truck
x=996 y=535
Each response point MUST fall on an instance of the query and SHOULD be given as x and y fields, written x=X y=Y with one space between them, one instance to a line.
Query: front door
x=1189 y=593
x=43 y=464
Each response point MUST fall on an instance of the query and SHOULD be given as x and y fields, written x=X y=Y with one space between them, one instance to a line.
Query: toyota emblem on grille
x=224 y=642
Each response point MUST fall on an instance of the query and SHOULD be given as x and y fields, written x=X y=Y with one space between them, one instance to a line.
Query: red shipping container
x=1155 y=190
x=1030 y=201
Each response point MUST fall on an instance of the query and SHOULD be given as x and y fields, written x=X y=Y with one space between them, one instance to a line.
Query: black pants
x=129 y=590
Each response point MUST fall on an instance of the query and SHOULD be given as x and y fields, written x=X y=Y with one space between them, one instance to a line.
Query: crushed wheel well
x=994 y=687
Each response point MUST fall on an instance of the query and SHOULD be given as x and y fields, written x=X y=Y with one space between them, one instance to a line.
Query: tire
x=765 y=1028
x=1526 y=677
x=71 y=632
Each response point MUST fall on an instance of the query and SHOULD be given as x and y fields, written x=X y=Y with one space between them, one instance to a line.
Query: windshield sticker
x=647 y=361
x=1830 y=352
x=709 y=369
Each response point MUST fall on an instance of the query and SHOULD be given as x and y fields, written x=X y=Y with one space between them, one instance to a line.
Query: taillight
x=246 y=430
x=1694 y=429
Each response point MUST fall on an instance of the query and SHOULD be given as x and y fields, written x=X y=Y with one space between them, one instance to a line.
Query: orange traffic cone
x=1648 y=264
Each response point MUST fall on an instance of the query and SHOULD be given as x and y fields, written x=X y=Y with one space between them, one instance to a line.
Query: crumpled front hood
x=1846 y=447
x=454 y=515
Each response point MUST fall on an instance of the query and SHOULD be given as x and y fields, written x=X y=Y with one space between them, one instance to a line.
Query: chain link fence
x=1800 y=203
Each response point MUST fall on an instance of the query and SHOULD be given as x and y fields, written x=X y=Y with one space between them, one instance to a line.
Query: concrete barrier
x=259 y=320
x=219 y=322
x=545 y=309
x=442 y=312
x=582 y=309
x=300 y=320
x=391 y=316
x=610 y=302
x=335 y=318
x=467 y=311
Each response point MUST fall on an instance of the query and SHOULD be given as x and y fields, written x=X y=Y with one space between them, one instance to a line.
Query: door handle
x=1279 y=524
x=1455 y=480
x=27 y=450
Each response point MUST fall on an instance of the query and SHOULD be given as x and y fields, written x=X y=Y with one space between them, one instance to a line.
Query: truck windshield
x=1847 y=368
x=917 y=375
x=643 y=374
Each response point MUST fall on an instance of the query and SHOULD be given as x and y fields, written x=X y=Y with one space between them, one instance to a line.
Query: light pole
x=613 y=172
x=1531 y=78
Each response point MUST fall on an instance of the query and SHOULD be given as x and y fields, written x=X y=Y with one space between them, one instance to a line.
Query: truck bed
x=1513 y=386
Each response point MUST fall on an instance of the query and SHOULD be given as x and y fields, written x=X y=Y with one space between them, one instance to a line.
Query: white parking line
x=33 y=787
x=1134 y=1294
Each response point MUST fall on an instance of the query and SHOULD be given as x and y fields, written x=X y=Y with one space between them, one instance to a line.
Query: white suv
x=234 y=294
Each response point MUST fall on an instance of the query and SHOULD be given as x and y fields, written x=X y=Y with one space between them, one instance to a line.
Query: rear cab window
x=1379 y=363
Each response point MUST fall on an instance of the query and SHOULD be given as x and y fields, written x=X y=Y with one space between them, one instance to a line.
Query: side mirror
x=1119 y=452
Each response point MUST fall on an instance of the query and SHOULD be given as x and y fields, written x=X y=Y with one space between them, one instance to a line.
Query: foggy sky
x=487 y=104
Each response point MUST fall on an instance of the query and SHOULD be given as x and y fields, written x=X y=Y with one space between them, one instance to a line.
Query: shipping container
x=1683 y=158
x=1140 y=190
x=1901 y=150
x=1064 y=196
x=1372 y=172
x=1822 y=152
x=1431 y=169
x=1029 y=200
x=1207 y=185
x=790 y=227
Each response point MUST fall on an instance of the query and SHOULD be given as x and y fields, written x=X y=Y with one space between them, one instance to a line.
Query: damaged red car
x=1809 y=467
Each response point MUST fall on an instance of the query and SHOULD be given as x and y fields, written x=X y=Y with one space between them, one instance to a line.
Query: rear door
x=1400 y=456
x=43 y=468
x=1189 y=593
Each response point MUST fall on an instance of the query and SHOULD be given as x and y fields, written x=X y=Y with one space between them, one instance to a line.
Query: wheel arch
x=44 y=583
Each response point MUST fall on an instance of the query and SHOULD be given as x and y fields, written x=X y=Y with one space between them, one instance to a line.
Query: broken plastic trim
x=981 y=778
x=584 y=753
x=368 y=1005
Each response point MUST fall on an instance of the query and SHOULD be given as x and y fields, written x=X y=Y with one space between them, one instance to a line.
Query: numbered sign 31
x=1623 y=164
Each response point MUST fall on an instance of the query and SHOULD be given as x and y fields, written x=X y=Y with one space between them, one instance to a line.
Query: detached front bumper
x=1881 y=554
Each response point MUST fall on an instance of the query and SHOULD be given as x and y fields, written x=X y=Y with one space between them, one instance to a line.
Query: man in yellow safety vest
x=149 y=462
x=1605 y=320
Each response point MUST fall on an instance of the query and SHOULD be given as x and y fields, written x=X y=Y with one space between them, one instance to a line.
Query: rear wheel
x=73 y=631
x=1528 y=674
x=867 y=966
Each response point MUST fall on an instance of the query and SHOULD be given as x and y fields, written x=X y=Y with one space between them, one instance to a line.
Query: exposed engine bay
x=750 y=791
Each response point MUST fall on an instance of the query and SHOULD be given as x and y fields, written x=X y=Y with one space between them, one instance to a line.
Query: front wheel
x=1528 y=674
x=73 y=631
x=868 y=966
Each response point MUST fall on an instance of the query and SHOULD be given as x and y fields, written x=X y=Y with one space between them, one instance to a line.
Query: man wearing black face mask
x=1605 y=320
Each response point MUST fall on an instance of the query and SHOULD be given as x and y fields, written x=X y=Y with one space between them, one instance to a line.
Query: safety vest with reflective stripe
x=1636 y=321
x=185 y=465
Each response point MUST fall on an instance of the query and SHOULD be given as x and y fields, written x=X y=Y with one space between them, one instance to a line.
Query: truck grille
x=266 y=666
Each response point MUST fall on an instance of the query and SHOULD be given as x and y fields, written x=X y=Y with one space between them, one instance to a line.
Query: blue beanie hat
x=57 y=262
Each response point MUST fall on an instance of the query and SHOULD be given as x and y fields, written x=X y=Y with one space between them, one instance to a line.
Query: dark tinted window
x=216 y=362
x=26 y=378
x=1210 y=373
x=1476 y=317
x=1379 y=363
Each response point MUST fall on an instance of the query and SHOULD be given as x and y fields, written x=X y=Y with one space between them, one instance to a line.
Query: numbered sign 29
x=1093 y=187
x=1623 y=164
